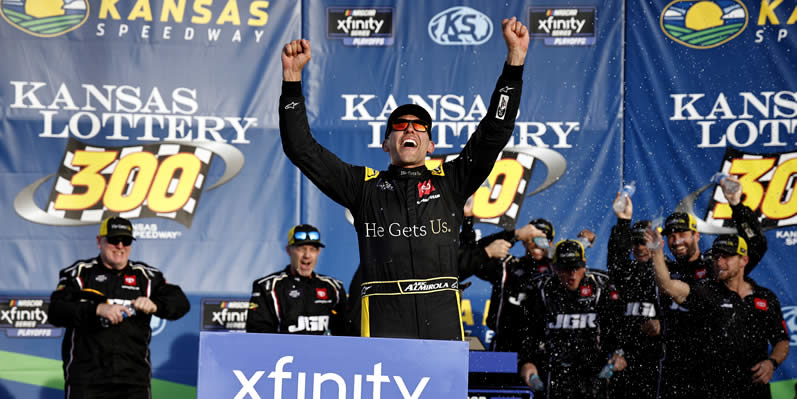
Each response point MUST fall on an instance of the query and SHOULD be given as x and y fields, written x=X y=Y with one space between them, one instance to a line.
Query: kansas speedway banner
x=711 y=88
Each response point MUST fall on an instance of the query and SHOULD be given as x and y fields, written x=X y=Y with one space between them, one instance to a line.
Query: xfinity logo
x=376 y=379
x=361 y=27
x=460 y=26
x=23 y=318
x=574 y=321
x=225 y=316
x=568 y=26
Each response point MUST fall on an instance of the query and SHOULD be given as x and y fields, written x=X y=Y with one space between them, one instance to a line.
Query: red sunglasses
x=403 y=124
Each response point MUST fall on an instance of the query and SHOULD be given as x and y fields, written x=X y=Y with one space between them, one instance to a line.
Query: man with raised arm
x=738 y=320
x=407 y=217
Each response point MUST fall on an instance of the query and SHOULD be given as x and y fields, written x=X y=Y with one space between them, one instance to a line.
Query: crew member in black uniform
x=639 y=325
x=106 y=304
x=509 y=278
x=682 y=365
x=566 y=338
x=297 y=300
x=407 y=218
x=738 y=320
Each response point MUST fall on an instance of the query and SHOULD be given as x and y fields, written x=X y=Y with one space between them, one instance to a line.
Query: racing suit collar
x=126 y=269
x=298 y=276
x=408 y=173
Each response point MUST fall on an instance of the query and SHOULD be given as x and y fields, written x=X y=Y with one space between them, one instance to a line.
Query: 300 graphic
x=166 y=185
x=775 y=199
x=151 y=180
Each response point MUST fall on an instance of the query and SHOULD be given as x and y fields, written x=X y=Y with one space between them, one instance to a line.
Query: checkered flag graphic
x=508 y=219
x=99 y=211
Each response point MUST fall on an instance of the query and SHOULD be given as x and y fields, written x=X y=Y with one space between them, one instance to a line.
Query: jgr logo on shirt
x=310 y=323
x=644 y=309
x=574 y=321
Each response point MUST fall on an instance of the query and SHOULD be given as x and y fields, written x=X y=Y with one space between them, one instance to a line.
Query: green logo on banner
x=703 y=24
x=45 y=18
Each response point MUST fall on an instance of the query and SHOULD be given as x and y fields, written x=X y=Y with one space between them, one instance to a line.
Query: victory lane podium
x=284 y=366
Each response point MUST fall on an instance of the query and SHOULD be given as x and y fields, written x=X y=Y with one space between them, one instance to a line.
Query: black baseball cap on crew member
x=116 y=226
x=569 y=254
x=679 y=221
x=638 y=230
x=729 y=244
x=544 y=226
x=409 y=109
x=305 y=234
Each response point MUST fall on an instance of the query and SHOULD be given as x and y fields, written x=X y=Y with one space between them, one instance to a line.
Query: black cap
x=544 y=226
x=409 y=109
x=729 y=244
x=679 y=221
x=569 y=254
x=116 y=226
x=638 y=231
x=305 y=234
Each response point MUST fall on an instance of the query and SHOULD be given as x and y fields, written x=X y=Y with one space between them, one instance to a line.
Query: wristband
x=774 y=362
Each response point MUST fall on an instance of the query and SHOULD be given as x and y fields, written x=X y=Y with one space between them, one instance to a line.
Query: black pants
x=107 y=391
x=640 y=380
x=568 y=385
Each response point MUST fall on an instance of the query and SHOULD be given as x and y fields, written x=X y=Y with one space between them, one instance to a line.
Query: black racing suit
x=682 y=365
x=510 y=278
x=292 y=304
x=117 y=354
x=407 y=219
x=567 y=334
x=639 y=300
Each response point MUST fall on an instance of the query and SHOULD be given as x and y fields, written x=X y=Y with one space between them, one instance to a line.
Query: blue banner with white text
x=165 y=112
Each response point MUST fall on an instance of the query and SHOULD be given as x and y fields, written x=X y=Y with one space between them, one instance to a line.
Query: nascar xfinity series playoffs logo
x=26 y=317
x=703 y=24
x=563 y=26
x=45 y=18
x=361 y=26
x=224 y=314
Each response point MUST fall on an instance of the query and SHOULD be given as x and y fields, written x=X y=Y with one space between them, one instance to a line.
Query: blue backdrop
x=165 y=112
